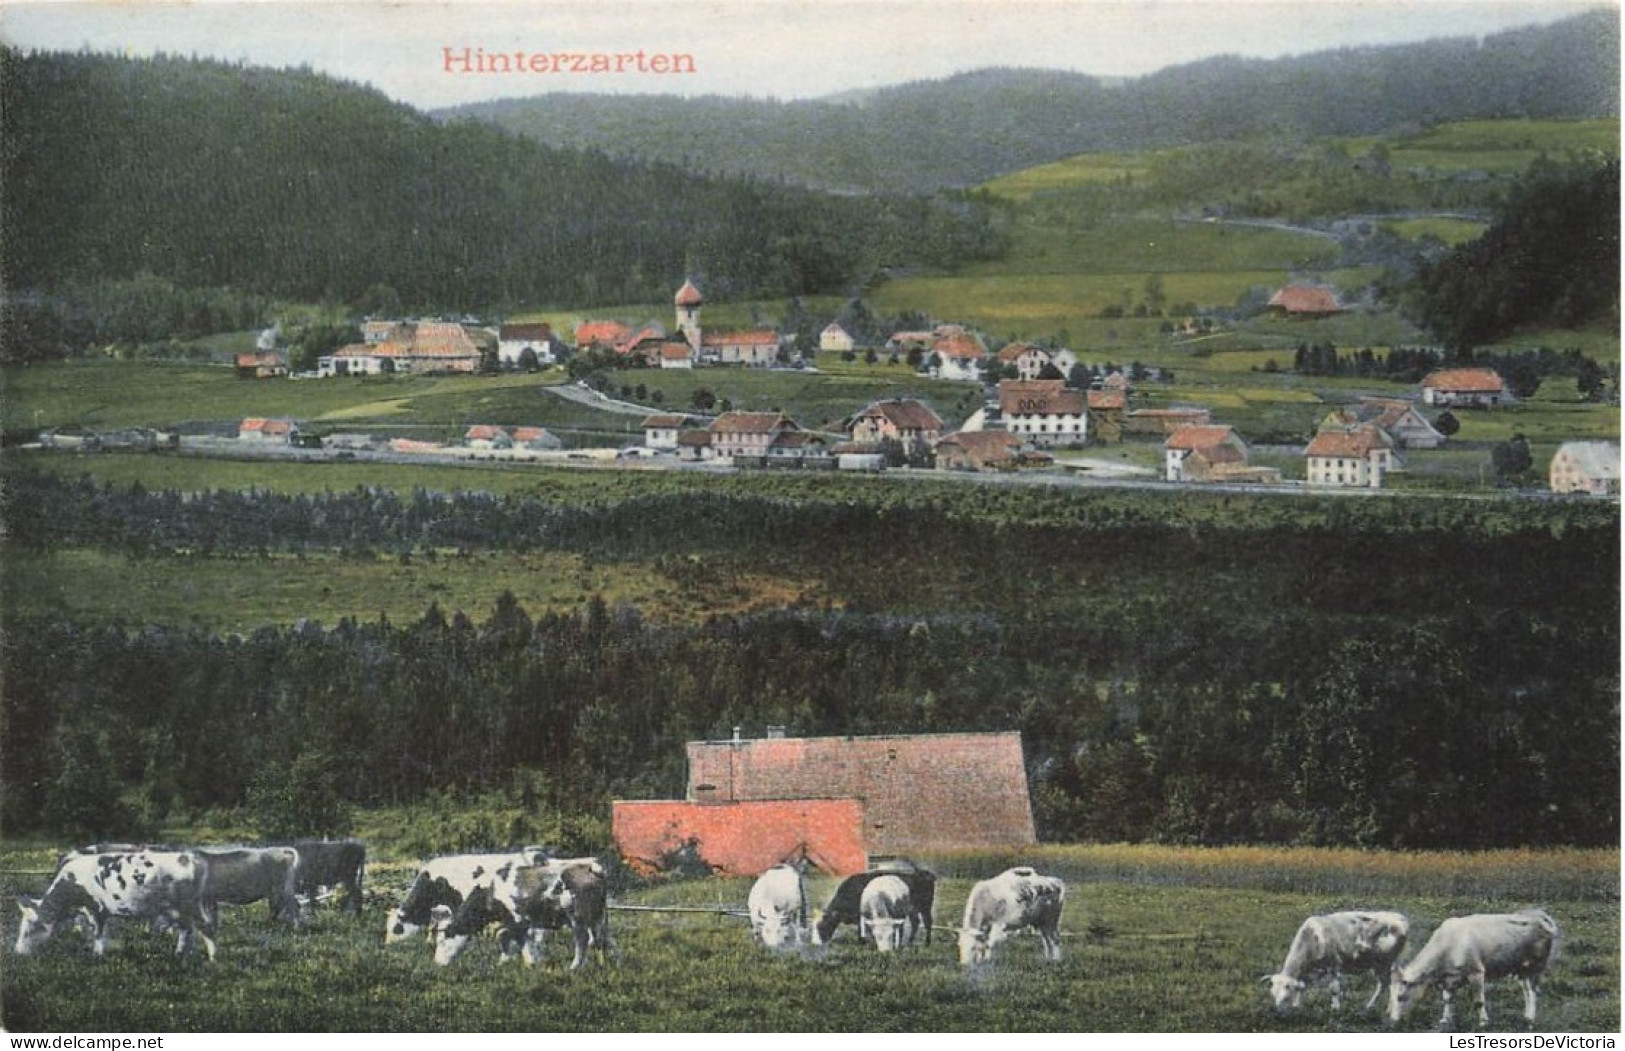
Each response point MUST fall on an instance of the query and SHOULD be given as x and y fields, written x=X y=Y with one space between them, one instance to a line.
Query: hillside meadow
x=1155 y=939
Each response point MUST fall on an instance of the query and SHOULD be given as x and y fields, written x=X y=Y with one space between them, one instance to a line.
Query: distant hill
x=965 y=129
x=295 y=185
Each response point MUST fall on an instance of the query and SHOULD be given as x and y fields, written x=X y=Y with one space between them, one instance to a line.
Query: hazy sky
x=778 y=48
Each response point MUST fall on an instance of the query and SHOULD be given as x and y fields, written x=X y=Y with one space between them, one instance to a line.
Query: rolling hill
x=966 y=129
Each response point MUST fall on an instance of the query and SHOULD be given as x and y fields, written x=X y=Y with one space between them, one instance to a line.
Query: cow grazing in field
x=167 y=888
x=448 y=881
x=325 y=865
x=527 y=901
x=1337 y=943
x=884 y=911
x=844 y=904
x=244 y=875
x=778 y=907
x=1012 y=900
x=1474 y=950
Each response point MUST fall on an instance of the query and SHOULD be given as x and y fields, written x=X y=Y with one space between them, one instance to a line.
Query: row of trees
x=1283 y=674
x=1522 y=370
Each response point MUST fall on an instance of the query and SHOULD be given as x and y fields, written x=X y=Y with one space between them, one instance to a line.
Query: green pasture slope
x=1155 y=940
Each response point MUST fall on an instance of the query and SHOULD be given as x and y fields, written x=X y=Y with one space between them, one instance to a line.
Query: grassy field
x=1155 y=940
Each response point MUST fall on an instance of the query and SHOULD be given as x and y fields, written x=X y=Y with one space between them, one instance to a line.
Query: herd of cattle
x=529 y=893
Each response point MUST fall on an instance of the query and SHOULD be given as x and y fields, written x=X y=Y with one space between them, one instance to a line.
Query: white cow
x=778 y=907
x=168 y=888
x=1014 y=899
x=527 y=901
x=884 y=912
x=1473 y=950
x=1340 y=942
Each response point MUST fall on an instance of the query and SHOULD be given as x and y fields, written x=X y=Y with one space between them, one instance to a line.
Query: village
x=1043 y=409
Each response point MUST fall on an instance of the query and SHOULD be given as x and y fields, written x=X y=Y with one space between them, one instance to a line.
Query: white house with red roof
x=1468 y=388
x=959 y=356
x=835 y=339
x=1357 y=457
x=268 y=431
x=1198 y=453
x=660 y=431
x=903 y=420
x=1044 y=412
x=487 y=436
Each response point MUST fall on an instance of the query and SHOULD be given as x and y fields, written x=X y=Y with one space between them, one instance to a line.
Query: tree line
x=1451 y=683
x=254 y=182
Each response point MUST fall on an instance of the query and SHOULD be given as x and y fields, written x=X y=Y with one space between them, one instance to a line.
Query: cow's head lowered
x=1286 y=992
x=36 y=928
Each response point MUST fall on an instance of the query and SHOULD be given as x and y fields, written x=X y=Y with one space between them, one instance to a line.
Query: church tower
x=689 y=302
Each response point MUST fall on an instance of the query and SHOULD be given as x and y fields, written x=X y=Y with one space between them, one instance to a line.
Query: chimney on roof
x=737 y=731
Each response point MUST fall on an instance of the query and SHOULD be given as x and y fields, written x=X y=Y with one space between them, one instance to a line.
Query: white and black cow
x=448 y=881
x=1338 y=943
x=845 y=903
x=244 y=875
x=883 y=911
x=526 y=902
x=1474 y=950
x=1014 y=899
x=166 y=888
x=778 y=907
x=330 y=864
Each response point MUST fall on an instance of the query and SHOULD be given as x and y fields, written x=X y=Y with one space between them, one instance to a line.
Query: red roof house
x=1305 y=301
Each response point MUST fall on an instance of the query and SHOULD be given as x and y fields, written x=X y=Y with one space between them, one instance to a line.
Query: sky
x=429 y=54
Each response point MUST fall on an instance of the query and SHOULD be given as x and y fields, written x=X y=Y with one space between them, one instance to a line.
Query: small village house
x=959 y=356
x=834 y=339
x=1398 y=417
x=1197 y=453
x=538 y=439
x=902 y=420
x=1586 y=467
x=979 y=451
x=268 y=431
x=514 y=340
x=660 y=431
x=1304 y=301
x=1465 y=388
x=487 y=436
x=1359 y=456
x=261 y=365
x=1044 y=413
x=735 y=434
x=601 y=335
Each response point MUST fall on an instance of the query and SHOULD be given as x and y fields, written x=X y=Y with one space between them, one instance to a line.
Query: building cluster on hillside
x=1036 y=404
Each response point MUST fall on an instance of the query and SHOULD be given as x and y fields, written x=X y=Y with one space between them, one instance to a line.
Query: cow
x=778 y=907
x=884 y=910
x=448 y=881
x=328 y=864
x=244 y=875
x=168 y=888
x=844 y=903
x=1014 y=899
x=528 y=901
x=1337 y=943
x=1473 y=950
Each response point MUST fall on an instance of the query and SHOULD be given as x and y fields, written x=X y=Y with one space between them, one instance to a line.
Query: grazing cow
x=448 y=881
x=528 y=901
x=1013 y=899
x=844 y=904
x=884 y=911
x=1473 y=950
x=168 y=888
x=778 y=907
x=325 y=864
x=1328 y=946
x=244 y=875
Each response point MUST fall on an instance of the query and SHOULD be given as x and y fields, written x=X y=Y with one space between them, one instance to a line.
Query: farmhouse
x=836 y=801
x=419 y=346
x=1586 y=467
x=487 y=436
x=903 y=420
x=538 y=438
x=1404 y=424
x=261 y=365
x=1044 y=412
x=601 y=335
x=1468 y=388
x=1029 y=360
x=1360 y=456
x=959 y=356
x=979 y=451
x=1305 y=301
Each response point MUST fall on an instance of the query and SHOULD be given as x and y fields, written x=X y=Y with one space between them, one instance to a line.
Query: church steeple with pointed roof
x=689 y=301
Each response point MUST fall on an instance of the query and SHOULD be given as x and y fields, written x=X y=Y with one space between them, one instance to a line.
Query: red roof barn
x=915 y=794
